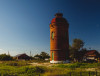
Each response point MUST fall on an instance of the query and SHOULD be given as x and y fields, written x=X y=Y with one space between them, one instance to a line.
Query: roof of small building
x=91 y=52
x=20 y=55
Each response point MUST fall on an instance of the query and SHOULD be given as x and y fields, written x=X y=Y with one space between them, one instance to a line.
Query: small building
x=91 y=56
x=21 y=57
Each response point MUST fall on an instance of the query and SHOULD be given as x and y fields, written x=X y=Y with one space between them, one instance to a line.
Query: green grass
x=15 y=68
x=16 y=63
x=26 y=70
x=79 y=65
x=22 y=68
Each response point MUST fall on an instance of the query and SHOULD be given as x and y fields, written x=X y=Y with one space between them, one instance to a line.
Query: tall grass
x=79 y=65
x=28 y=71
x=7 y=69
x=22 y=68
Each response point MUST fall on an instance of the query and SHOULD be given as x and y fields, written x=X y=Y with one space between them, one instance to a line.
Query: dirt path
x=42 y=64
x=50 y=65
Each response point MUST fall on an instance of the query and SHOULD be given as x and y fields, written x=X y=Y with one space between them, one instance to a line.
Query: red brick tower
x=59 y=39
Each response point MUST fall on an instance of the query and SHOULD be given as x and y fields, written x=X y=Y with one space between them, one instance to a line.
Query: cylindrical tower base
x=57 y=62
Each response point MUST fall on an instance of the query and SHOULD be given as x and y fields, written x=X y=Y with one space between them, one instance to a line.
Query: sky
x=24 y=24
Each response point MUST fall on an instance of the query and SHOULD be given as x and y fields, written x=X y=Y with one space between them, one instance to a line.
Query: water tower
x=59 y=39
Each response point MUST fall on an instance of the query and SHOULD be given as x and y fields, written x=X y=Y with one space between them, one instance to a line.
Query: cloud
x=1 y=49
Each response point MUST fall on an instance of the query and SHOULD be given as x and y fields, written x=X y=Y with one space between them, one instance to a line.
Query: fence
x=83 y=74
x=80 y=74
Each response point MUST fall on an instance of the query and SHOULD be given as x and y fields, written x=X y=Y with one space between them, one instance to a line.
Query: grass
x=22 y=68
x=19 y=68
x=79 y=65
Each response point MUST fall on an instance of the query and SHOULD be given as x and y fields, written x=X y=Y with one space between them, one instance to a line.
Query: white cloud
x=1 y=49
x=11 y=52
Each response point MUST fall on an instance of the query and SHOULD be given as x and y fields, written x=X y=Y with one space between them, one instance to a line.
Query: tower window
x=52 y=35
x=52 y=56
x=65 y=35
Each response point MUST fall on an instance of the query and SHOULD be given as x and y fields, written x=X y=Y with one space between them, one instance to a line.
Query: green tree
x=42 y=55
x=38 y=56
x=75 y=49
x=77 y=44
x=4 y=57
x=71 y=52
x=81 y=54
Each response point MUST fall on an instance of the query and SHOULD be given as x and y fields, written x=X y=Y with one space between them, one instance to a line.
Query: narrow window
x=65 y=35
x=52 y=35
x=52 y=56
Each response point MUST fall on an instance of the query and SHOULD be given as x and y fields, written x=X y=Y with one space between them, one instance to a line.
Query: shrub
x=16 y=63
x=4 y=57
x=36 y=69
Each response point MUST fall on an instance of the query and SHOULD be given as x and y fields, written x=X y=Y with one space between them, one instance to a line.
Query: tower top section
x=59 y=15
x=59 y=19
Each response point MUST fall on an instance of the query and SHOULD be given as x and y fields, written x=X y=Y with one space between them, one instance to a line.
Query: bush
x=16 y=63
x=36 y=69
x=4 y=57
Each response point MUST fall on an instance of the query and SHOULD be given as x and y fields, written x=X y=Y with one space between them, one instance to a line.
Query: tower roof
x=59 y=18
x=58 y=14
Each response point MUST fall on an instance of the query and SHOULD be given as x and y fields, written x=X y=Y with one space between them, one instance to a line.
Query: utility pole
x=30 y=53
x=8 y=53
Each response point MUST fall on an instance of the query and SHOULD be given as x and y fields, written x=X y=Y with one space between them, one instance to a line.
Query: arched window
x=52 y=56
x=52 y=35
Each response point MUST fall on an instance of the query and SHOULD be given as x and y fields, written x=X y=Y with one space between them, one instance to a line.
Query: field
x=33 y=68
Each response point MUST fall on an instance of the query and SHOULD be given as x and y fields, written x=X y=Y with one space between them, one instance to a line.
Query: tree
x=4 y=57
x=37 y=56
x=81 y=54
x=71 y=52
x=42 y=55
x=77 y=44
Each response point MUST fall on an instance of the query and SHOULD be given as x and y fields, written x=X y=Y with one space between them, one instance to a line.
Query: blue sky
x=24 y=24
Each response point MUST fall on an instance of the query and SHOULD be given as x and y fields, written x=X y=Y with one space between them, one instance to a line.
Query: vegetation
x=21 y=71
x=19 y=68
x=76 y=50
x=77 y=44
x=4 y=57
x=22 y=68
x=79 y=65
x=43 y=55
